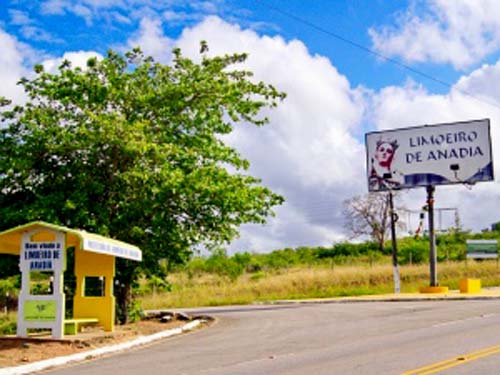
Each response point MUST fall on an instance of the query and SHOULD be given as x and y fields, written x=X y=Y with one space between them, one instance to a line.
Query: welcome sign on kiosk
x=429 y=155
x=42 y=256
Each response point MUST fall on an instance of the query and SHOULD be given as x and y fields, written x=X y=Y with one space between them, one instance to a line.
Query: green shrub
x=257 y=276
x=411 y=250
x=135 y=311
x=306 y=255
x=219 y=263
x=343 y=250
x=9 y=291
x=243 y=259
x=153 y=284
x=7 y=324
x=255 y=265
x=196 y=266
x=280 y=259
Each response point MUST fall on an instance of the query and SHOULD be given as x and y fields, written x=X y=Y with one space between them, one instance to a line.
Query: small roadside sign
x=482 y=249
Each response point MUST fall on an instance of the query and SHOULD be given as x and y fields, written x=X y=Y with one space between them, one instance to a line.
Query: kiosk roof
x=10 y=241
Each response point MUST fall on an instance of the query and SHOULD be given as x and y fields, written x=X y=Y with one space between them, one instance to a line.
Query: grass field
x=198 y=289
x=204 y=289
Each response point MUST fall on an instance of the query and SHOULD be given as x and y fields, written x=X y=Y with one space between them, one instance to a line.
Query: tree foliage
x=132 y=149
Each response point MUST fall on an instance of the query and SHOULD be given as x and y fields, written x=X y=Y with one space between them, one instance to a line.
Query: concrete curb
x=78 y=357
x=391 y=298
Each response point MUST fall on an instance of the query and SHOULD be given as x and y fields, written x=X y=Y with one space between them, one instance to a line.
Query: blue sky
x=312 y=152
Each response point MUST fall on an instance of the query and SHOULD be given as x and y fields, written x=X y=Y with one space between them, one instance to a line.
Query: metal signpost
x=395 y=266
x=427 y=156
x=432 y=237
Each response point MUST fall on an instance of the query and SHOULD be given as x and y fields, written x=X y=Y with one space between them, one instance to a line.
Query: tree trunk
x=381 y=245
x=123 y=299
x=126 y=274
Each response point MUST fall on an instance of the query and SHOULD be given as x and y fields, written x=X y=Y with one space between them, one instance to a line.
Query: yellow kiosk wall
x=103 y=308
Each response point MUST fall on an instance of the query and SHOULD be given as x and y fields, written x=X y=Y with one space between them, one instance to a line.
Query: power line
x=373 y=52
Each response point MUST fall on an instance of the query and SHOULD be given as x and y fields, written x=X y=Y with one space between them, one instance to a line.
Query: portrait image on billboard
x=426 y=155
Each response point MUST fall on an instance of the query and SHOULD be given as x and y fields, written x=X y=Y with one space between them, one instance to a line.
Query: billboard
x=482 y=249
x=441 y=154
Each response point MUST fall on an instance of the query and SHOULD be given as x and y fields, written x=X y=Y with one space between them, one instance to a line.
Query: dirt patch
x=18 y=351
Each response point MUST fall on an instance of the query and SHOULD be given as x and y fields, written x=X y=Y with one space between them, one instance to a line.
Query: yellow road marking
x=455 y=361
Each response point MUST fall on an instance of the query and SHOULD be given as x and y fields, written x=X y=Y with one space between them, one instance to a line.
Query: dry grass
x=312 y=282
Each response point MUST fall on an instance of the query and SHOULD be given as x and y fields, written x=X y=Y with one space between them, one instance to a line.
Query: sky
x=348 y=67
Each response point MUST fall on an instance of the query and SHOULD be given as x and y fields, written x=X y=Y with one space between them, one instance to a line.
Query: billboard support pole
x=432 y=236
x=395 y=266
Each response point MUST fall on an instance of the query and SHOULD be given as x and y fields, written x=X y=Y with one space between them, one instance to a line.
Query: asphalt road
x=316 y=339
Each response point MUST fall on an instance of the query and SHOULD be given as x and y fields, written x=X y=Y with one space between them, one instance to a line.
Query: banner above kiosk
x=427 y=155
x=10 y=241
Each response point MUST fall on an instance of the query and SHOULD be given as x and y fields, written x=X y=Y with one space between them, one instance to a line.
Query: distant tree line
x=450 y=246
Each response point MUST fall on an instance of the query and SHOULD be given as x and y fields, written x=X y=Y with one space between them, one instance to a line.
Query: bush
x=257 y=276
x=7 y=324
x=222 y=265
x=347 y=249
x=306 y=255
x=413 y=250
x=243 y=260
x=134 y=311
x=255 y=265
x=9 y=291
x=153 y=284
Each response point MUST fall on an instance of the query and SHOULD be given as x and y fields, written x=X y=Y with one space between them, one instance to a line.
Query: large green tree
x=132 y=149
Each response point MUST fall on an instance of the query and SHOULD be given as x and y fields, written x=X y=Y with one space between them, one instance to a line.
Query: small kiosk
x=42 y=247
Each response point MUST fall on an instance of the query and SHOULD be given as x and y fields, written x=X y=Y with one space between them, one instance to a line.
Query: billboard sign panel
x=482 y=249
x=426 y=155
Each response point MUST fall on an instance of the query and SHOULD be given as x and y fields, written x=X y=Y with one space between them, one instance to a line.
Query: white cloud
x=458 y=32
x=308 y=152
x=173 y=11
x=38 y=34
x=106 y=3
x=174 y=18
x=120 y=18
x=54 y=7
x=152 y=40
x=11 y=61
x=87 y=9
x=313 y=152
x=59 y=7
x=29 y=28
x=206 y=7
x=77 y=59
x=84 y=12
x=18 y=17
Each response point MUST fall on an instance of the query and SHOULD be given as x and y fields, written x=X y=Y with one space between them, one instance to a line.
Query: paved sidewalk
x=90 y=354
